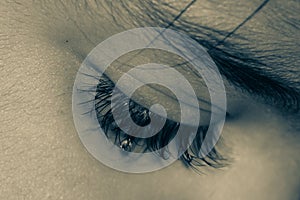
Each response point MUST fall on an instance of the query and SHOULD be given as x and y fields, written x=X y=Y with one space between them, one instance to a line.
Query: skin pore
x=42 y=45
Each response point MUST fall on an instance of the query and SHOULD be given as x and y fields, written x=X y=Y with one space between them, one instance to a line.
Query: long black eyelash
x=140 y=115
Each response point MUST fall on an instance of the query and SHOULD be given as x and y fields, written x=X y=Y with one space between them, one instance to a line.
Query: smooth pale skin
x=42 y=156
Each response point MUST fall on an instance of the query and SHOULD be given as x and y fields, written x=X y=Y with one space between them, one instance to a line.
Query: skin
x=42 y=47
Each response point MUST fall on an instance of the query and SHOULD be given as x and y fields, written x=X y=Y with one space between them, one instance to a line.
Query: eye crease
x=140 y=116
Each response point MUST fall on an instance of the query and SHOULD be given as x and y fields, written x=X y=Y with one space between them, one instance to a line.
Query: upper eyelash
x=105 y=118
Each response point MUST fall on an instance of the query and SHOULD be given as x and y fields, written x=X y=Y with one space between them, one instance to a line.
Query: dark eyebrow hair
x=240 y=67
x=237 y=64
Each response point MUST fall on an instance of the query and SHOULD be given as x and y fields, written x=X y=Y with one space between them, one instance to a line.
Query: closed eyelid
x=156 y=142
x=190 y=119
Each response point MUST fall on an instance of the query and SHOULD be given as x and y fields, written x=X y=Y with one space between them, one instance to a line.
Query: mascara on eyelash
x=140 y=116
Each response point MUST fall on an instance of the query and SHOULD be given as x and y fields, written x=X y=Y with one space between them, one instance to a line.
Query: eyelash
x=140 y=115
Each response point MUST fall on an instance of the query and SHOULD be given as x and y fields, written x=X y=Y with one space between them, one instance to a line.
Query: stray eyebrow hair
x=239 y=66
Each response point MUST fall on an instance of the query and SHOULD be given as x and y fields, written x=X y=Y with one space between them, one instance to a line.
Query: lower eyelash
x=140 y=116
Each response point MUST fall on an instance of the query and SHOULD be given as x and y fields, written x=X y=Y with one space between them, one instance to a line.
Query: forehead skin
x=41 y=156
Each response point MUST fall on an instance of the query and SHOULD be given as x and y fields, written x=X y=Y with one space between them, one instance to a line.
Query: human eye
x=141 y=116
x=103 y=104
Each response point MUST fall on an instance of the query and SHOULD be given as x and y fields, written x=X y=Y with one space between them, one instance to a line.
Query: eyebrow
x=247 y=73
x=239 y=67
